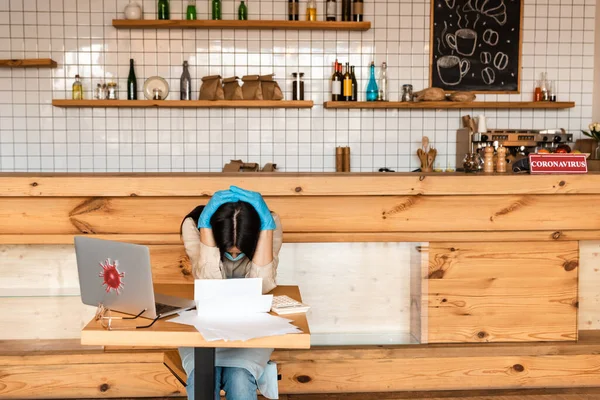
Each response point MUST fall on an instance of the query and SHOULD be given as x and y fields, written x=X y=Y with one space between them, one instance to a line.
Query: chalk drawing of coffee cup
x=451 y=69
x=464 y=41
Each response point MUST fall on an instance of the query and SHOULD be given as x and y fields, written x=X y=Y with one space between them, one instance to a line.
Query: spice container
x=298 y=86
x=111 y=88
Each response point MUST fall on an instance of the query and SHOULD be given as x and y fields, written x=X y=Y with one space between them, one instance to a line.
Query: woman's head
x=236 y=228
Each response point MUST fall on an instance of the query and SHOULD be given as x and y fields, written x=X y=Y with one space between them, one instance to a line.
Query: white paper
x=231 y=297
x=233 y=309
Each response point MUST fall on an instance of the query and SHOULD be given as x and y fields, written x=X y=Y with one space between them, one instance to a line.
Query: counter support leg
x=204 y=373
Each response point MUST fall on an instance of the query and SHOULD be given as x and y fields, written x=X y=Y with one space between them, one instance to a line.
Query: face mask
x=230 y=258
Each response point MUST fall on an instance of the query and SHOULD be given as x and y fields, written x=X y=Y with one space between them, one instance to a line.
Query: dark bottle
x=163 y=9
x=185 y=83
x=336 y=84
x=331 y=10
x=293 y=10
x=216 y=10
x=354 y=86
x=346 y=10
x=243 y=11
x=357 y=10
x=131 y=83
x=347 y=84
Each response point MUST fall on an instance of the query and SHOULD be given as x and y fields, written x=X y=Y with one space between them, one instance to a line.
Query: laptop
x=119 y=276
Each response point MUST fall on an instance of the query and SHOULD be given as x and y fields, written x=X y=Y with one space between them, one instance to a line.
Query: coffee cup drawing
x=451 y=69
x=464 y=41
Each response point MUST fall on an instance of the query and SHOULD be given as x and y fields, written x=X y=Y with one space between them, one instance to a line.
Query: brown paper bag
x=270 y=88
x=232 y=88
x=240 y=166
x=252 y=90
x=211 y=88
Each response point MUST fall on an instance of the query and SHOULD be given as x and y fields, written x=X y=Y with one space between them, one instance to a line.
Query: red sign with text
x=558 y=163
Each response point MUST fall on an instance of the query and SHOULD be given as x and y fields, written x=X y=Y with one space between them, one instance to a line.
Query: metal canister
x=407 y=93
x=111 y=88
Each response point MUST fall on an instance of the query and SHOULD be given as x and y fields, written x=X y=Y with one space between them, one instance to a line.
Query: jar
x=133 y=11
x=407 y=93
x=298 y=86
x=111 y=88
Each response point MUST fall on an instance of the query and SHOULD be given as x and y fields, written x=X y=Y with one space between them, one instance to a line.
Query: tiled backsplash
x=558 y=37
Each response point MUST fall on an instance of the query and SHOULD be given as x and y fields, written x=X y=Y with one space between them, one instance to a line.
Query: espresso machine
x=519 y=143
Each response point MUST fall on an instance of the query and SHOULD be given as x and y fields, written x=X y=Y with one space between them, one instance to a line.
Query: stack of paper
x=233 y=309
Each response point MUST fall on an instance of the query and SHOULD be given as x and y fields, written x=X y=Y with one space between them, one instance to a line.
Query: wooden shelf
x=448 y=105
x=182 y=104
x=28 y=63
x=234 y=24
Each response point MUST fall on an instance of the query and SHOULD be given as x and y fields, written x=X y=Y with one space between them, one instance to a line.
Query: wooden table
x=168 y=334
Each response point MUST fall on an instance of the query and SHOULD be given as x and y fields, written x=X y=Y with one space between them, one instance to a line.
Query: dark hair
x=236 y=225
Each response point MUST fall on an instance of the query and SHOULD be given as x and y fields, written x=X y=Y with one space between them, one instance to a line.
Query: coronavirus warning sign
x=558 y=163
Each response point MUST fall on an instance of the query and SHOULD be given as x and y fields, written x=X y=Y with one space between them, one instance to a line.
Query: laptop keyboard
x=165 y=308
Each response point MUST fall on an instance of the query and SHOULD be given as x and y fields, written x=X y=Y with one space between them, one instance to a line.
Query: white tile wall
x=34 y=136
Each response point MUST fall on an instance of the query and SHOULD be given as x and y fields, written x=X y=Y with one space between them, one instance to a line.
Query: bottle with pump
x=185 y=83
x=331 y=10
x=77 y=89
x=372 y=90
x=383 y=83
x=131 y=82
x=311 y=10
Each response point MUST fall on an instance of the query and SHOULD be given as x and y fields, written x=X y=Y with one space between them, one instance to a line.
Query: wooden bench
x=498 y=261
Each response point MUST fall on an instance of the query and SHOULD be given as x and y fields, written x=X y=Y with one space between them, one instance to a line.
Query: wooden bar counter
x=498 y=260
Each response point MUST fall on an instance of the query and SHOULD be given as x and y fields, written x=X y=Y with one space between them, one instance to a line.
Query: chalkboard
x=476 y=45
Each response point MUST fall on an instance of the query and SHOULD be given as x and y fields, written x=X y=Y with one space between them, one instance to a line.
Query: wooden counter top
x=294 y=184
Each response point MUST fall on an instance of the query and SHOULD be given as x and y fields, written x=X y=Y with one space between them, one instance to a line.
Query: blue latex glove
x=267 y=223
x=217 y=200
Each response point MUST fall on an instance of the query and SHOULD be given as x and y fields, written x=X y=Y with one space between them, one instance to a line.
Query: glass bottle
x=163 y=9
x=354 y=86
x=98 y=94
x=357 y=10
x=552 y=90
x=336 y=84
x=298 y=86
x=544 y=87
x=243 y=11
x=537 y=93
x=383 y=83
x=372 y=90
x=293 y=10
x=346 y=10
x=190 y=13
x=131 y=82
x=185 y=83
x=347 y=84
x=311 y=10
x=77 y=89
x=331 y=10
x=216 y=10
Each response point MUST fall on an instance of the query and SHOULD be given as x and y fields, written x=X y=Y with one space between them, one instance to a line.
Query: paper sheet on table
x=242 y=327
x=231 y=297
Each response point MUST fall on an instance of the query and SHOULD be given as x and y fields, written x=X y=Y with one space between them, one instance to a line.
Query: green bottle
x=131 y=83
x=190 y=14
x=163 y=9
x=216 y=9
x=243 y=12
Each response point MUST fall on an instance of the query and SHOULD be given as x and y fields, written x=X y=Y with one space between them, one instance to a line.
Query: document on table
x=233 y=309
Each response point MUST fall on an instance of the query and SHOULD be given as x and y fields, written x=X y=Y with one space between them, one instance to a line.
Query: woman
x=234 y=236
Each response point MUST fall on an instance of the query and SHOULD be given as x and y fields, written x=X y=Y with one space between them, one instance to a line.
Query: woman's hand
x=267 y=223
x=217 y=200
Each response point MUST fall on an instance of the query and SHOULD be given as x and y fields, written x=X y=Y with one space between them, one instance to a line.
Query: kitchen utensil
x=481 y=124
x=156 y=82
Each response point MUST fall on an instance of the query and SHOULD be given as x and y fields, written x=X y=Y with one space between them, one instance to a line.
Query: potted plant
x=594 y=133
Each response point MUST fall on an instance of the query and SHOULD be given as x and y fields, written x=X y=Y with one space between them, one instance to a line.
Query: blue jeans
x=238 y=384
